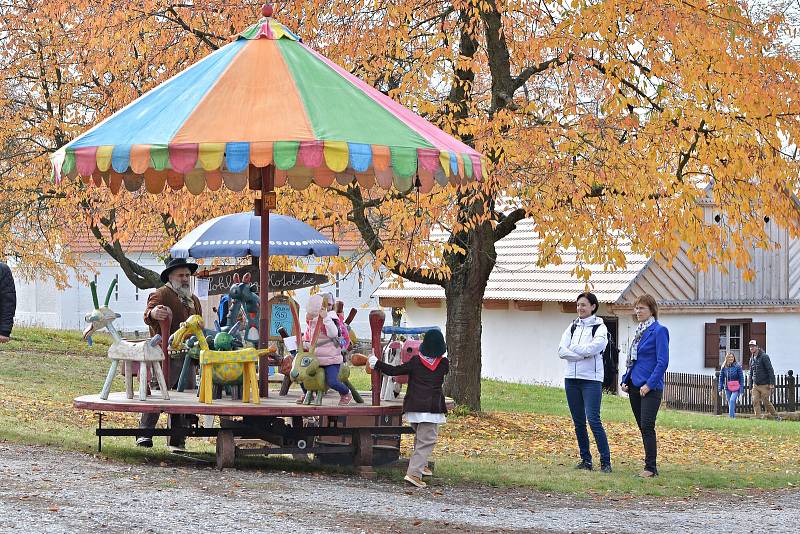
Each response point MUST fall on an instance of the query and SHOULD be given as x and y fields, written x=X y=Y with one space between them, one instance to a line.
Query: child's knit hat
x=433 y=344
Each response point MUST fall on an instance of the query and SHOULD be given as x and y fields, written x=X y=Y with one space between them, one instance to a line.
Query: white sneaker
x=426 y=472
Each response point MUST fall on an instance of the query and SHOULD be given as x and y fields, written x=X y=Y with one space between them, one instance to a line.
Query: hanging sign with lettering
x=220 y=282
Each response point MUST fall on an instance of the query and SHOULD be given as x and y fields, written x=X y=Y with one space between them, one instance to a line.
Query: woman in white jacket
x=582 y=346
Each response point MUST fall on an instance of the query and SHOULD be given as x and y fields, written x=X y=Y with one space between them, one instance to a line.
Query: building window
x=116 y=288
x=337 y=285
x=360 y=283
x=730 y=340
x=137 y=292
x=731 y=335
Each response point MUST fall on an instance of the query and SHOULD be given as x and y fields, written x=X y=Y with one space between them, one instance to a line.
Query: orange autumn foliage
x=604 y=120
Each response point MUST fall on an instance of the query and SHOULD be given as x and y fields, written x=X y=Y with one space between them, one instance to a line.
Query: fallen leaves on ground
x=528 y=437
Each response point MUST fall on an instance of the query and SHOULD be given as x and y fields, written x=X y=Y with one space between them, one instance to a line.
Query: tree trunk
x=463 y=382
x=464 y=296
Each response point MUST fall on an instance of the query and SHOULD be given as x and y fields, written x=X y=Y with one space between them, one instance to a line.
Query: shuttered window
x=748 y=330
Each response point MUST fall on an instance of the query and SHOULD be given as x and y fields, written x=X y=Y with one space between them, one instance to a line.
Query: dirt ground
x=50 y=490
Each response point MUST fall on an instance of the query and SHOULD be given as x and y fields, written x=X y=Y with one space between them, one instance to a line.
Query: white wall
x=516 y=346
x=521 y=346
x=687 y=339
x=39 y=303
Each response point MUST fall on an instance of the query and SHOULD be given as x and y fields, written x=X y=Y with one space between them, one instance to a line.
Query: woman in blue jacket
x=648 y=357
x=731 y=381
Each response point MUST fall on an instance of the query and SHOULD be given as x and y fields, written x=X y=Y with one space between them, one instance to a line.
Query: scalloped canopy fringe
x=266 y=99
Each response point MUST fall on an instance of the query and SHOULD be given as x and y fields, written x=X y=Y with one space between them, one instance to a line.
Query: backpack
x=608 y=354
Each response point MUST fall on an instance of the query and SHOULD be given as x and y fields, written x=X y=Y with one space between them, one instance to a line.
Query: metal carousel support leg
x=267 y=197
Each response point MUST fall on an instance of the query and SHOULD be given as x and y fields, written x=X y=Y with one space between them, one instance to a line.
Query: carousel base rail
x=282 y=439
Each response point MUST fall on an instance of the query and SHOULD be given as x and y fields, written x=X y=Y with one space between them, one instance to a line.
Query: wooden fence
x=699 y=393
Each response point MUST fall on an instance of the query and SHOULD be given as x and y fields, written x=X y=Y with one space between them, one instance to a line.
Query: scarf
x=185 y=296
x=637 y=336
x=430 y=363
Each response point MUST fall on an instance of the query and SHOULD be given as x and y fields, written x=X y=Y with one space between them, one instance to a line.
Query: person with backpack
x=582 y=346
x=762 y=376
x=731 y=381
x=643 y=381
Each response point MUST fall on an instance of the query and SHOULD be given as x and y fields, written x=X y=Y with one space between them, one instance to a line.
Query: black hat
x=433 y=344
x=174 y=263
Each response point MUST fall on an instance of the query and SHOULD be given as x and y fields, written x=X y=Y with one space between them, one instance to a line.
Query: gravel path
x=50 y=490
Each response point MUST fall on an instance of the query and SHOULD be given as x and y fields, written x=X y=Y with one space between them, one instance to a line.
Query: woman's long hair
x=726 y=364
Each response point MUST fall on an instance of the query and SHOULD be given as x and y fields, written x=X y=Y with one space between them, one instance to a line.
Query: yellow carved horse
x=240 y=361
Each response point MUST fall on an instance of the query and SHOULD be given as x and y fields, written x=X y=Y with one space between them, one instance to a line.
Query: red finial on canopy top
x=266 y=10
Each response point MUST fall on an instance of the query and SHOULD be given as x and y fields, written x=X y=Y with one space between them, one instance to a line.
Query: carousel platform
x=186 y=402
x=357 y=435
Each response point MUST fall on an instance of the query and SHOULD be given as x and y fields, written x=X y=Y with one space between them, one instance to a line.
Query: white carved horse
x=147 y=353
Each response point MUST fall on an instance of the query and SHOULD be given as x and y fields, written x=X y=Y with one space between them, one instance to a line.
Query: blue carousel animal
x=244 y=300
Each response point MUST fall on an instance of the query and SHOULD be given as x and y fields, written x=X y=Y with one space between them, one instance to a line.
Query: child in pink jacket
x=328 y=349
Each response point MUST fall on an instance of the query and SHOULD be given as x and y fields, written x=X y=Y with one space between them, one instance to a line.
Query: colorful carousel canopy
x=266 y=98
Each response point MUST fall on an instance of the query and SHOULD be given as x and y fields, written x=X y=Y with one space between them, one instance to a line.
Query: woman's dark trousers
x=645 y=410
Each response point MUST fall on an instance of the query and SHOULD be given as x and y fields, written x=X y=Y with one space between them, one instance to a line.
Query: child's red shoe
x=345 y=399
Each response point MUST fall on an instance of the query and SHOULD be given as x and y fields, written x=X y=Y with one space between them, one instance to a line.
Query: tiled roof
x=517 y=277
x=348 y=238
x=730 y=303
x=84 y=243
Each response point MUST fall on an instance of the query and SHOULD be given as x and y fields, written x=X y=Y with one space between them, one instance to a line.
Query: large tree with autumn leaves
x=602 y=119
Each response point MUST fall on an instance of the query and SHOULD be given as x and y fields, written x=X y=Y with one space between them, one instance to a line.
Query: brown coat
x=166 y=295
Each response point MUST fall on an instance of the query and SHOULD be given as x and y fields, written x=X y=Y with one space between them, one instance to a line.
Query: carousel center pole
x=267 y=203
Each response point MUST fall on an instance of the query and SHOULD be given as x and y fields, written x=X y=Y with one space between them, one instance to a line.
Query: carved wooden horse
x=223 y=363
x=149 y=354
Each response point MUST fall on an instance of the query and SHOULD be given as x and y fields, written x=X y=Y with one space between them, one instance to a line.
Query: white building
x=527 y=308
x=40 y=303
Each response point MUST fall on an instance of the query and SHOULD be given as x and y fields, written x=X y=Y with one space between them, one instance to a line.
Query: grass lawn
x=524 y=437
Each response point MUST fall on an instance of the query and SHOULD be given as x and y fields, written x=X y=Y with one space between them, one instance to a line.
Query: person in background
x=762 y=376
x=648 y=358
x=424 y=405
x=582 y=346
x=731 y=381
x=8 y=303
x=175 y=296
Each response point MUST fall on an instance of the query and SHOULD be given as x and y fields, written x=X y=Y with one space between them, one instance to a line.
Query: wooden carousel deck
x=187 y=403
x=360 y=435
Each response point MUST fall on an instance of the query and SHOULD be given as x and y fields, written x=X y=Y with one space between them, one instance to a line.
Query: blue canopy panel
x=239 y=234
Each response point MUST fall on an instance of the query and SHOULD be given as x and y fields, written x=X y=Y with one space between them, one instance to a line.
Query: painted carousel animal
x=244 y=300
x=224 y=339
x=227 y=364
x=149 y=354
x=307 y=371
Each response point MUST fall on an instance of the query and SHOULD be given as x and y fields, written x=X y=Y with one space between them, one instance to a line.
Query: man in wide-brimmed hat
x=174 y=296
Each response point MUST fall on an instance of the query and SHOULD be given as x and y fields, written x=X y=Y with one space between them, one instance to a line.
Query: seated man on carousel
x=176 y=296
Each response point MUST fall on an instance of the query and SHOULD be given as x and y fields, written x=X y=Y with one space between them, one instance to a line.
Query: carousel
x=263 y=112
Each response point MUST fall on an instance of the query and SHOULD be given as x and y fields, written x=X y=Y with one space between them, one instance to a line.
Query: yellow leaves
x=588 y=147
x=506 y=437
